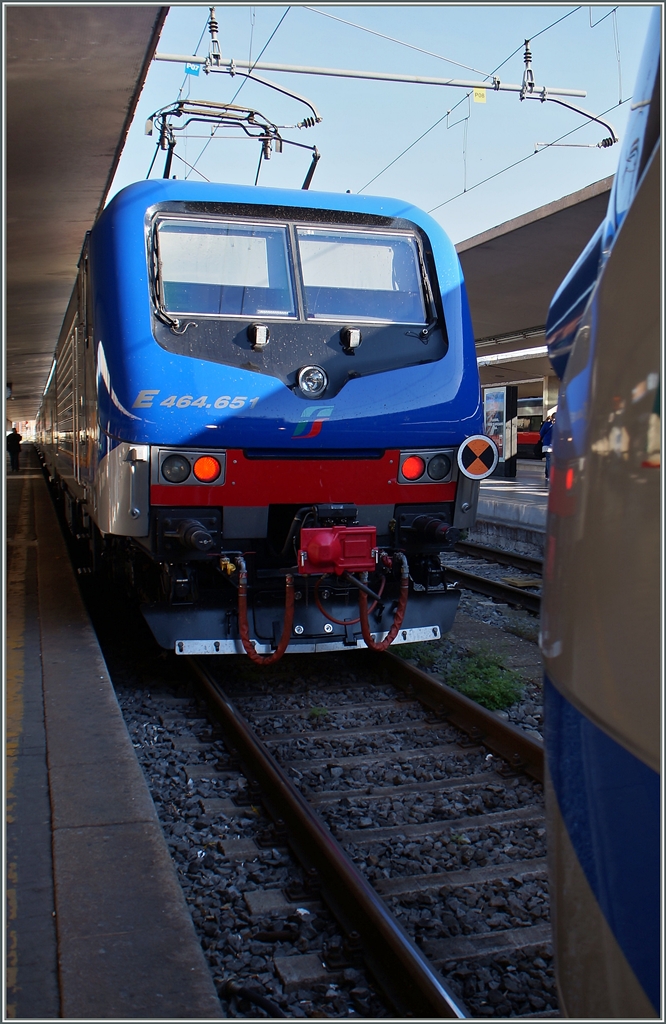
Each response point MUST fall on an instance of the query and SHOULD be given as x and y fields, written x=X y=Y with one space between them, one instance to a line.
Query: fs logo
x=312 y=419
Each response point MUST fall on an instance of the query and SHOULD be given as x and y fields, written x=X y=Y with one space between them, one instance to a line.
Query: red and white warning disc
x=477 y=457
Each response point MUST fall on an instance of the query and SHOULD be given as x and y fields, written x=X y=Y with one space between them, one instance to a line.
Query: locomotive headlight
x=207 y=469
x=312 y=381
x=175 y=469
x=439 y=467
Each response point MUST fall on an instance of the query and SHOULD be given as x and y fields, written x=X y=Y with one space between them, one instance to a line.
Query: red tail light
x=413 y=467
x=206 y=469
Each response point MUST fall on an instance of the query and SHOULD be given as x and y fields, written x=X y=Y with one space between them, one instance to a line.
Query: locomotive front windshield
x=360 y=276
x=225 y=268
x=241 y=269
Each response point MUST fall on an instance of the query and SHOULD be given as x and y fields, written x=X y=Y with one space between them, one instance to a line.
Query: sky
x=461 y=169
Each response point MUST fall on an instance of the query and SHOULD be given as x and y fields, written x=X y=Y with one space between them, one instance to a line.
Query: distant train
x=265 y=412
x=530 y=418
x=601 y=621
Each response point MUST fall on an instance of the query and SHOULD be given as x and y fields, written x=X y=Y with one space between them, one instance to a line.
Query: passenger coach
x=601 y=619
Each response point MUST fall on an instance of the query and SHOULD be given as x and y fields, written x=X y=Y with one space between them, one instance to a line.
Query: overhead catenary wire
x=616 y=40
x=178 y=157
x=182 y=85
x=444 y=117
x=462 y=100
x=406 y=150
x=545 y=94
x=186 y=77
x=401 y=42
x=536 y=35
x=266 y=44
x=522 y=159
x=253 y=18
x=265 y=47
x=152 y=162
x=600 y=19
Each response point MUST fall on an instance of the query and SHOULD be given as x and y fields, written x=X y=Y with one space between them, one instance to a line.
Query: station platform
x=512 y=512
x=97 y=925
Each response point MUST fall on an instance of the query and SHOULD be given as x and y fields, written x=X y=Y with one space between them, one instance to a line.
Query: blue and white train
x=601 y=621
x=265 y=407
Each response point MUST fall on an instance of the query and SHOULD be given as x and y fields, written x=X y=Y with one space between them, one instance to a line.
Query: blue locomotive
x=265 y=409
x=601 y=622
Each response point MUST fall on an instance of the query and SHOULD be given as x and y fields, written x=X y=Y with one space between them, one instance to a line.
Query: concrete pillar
x=551 y=387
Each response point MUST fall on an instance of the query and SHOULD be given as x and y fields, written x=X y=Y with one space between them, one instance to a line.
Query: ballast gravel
x=432 y=808
x=237 y=944
x=348 y=776
x=404 y=856
x=435 y=657
x=297 y=709
x=505 y=985
x=473 y=910
x=514 y=620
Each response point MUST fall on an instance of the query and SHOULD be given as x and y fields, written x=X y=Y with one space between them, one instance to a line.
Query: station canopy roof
x=73 y=78
x=512 y=272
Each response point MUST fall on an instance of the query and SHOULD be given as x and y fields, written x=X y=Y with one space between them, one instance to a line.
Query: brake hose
x=400 y=611
x=243 y=627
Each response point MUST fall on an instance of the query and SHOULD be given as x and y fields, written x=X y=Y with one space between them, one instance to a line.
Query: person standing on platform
x=546 y=436
x=14 y=447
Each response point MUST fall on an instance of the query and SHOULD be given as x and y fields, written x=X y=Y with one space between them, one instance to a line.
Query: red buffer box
x=337 y=549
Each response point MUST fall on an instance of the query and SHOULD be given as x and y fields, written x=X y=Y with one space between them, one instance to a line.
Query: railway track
x=525 y=562
x=519 y=591
x=432 y=804
x=504 y=592
x=417 y=816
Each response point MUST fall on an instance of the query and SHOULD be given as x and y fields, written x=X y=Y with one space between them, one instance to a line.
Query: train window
x=361 y=276
x=528 y=422
x=224 y=268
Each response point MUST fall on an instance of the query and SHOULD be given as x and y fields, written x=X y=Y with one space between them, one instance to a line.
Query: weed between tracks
x=484 y=680
x=481 y=677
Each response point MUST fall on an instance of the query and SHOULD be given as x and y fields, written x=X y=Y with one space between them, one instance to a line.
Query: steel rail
x=526 y=562
x=491 y=588
x=401 y=970
x=522 y=752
